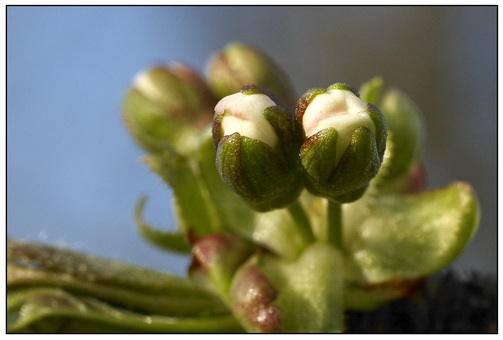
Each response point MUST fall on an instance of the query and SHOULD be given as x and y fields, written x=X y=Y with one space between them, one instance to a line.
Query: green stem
x=300 y=217
x=334 y=232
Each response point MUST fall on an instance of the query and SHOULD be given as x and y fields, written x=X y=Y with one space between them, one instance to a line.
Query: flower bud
x=167 y=107
x=238 y=65
x=345 y=142
x=257 y=148
x=405 y=123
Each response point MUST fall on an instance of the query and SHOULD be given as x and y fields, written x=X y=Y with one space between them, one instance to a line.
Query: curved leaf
x=34 y=265
x=171 y=241
x=52 y=310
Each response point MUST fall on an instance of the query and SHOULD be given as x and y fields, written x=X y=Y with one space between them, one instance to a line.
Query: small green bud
x=257 y=148
x=370 y=91
x=405 y=124
x=345 y=142
x=167 y=107
x=238 y=65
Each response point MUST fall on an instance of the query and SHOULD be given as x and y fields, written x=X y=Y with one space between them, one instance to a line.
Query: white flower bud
x=257 y=148
x=339 y=109
x=244 y=114
x=344 y=144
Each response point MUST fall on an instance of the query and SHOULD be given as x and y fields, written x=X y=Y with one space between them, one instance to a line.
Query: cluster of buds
x=259 y=151
x=295 y=269
x=332 y=144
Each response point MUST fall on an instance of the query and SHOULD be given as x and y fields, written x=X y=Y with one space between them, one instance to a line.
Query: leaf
x=410 y=236
x=311 y=290
x=143 y=290
x=271 y=294
x=193 y=205
x=171 y=241
x=53 y=310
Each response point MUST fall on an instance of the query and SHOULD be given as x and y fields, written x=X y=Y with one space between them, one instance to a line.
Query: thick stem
x=334 y=232
x=301 y=219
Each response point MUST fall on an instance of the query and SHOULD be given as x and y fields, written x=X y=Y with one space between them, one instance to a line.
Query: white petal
x=244 y=114
x=340 y=109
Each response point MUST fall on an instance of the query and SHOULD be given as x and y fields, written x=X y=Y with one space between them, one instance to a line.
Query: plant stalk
x=302 y=220
x=334 y=232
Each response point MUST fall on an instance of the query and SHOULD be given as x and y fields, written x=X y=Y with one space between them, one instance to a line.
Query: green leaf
x=410 y=236
x=53 y=310
x=310 y=290
x=193 y=204
x=35 y=265
x=271 y=294
x=171 y=241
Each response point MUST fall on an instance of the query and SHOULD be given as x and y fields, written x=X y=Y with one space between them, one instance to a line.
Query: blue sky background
x=73 y=173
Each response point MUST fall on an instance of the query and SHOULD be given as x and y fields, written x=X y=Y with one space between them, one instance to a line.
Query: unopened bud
x=404 y=120
x=345 y=142
x=167 y=106
x=257 y=148
x=238 y=65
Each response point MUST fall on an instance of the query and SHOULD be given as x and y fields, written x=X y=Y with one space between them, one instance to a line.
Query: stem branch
x=334 y=232
x=300 y=217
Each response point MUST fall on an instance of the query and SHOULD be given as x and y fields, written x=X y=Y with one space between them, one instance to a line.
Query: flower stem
x=300 y=217
x=334 y=232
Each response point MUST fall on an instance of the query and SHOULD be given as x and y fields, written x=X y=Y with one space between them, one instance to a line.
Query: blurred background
x=74 y=175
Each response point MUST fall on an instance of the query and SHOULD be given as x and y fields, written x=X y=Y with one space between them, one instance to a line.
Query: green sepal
x=343 y=86
x=346 y=181
x=317 y=157
x=370 y=91
x=53 y=310
x=357 y=166
x=404 y=120
x=254 y=170
x=407 y=237
x=284 y=127
x=174 y=241
x=381 y=128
